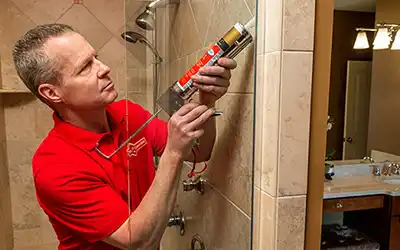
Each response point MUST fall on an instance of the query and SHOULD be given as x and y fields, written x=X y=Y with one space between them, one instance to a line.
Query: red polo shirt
x=86 y=195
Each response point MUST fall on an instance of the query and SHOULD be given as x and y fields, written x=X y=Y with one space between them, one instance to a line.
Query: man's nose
x=104 y=70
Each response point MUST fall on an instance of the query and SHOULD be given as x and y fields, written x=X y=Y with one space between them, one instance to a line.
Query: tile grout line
x=231 y=202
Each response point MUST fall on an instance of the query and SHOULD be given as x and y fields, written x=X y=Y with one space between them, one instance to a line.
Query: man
x=85 y=194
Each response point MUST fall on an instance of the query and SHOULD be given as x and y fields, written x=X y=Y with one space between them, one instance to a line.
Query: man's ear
x=49 y=92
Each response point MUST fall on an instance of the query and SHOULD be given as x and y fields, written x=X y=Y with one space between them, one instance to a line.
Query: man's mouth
x=110 y=85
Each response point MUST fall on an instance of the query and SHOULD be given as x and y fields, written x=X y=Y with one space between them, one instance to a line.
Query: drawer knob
x=339 y=205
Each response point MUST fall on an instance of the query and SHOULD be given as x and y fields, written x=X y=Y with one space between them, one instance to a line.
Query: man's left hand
x=213 y=81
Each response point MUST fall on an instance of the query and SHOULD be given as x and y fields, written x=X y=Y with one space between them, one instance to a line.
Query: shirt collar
x=85 y=138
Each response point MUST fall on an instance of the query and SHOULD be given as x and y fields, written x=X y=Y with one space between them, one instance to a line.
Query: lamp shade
x=396 y=42
x=382 y=39
x=361 y=41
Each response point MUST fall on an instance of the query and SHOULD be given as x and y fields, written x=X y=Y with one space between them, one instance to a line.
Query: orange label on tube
x=209 y=58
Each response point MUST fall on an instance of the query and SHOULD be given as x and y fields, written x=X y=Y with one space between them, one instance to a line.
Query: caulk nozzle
x=250 y=24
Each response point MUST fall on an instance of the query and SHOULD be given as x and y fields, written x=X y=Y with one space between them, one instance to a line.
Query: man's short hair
x=34 y=66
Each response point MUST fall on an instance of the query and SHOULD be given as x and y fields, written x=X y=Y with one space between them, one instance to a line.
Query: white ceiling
x=355 y=5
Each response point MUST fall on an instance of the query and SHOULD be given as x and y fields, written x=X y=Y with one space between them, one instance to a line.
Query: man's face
x=86 y=83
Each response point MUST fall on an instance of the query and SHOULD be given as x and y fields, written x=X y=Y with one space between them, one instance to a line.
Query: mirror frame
x=319 y=114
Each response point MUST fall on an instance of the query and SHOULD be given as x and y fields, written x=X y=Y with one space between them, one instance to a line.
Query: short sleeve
x=157 y=129
x=80 y=201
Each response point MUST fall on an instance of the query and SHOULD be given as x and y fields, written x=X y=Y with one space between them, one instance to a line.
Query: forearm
x=149 y=220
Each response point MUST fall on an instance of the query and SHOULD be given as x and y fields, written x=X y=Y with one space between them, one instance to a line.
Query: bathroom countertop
x=352 y=186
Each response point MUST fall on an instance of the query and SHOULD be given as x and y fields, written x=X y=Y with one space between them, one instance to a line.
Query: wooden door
x=357 y=109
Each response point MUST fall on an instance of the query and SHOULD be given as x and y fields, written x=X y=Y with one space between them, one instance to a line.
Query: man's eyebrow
x=81 y=64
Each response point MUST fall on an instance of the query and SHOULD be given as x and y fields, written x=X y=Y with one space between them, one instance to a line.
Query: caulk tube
x=184 y=86
x=174 y=98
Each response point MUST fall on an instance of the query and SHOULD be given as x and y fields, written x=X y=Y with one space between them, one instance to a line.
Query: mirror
x=362 y=178
x=363 y=84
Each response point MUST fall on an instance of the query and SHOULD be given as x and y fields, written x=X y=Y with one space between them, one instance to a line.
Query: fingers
x=186 y=108
x=211 y=80
x=194 y=113
x=194 y=124
x=215 y=71
x=227 y=63
x=216 y=90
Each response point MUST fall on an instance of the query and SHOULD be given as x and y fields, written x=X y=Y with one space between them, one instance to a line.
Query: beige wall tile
x=43 y=119
x=25 y=208
x=242 y=80
x=202 y=10
x=110 y=13
x=230 y=231
x=268 y=222
x=48 y=234
x=45 y=11
x=273 y=25
x=6 y=226
x=259 y=132
x=18 y=126
x=191 y=41
x=86 y=24
x=291 y=222
x=231 y=163
x=137 y=81
x=117 y=57
x=270 y=96
x=295 y=122
x=261 y=16
x=256 y=237
x=13 y=24
x=298 y=25
x=177 y=19
x=252 y=5
x=144 y=99
x=27 y=238
x=225 y=14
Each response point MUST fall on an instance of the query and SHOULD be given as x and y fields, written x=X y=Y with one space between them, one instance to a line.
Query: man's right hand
x=185 y=126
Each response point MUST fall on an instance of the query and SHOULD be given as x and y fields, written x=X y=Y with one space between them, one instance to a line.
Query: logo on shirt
x=133 y=148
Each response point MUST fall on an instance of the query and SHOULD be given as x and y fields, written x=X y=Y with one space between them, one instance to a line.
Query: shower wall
x=222 y=215
x=284 y=57
x=283 y=96
x=6 y=230
x=24 y=121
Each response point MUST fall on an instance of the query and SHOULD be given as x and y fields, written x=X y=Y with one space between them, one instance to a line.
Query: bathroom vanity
x=370 y=204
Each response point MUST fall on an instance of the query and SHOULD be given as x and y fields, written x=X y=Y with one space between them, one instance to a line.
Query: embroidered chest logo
x=133 y=148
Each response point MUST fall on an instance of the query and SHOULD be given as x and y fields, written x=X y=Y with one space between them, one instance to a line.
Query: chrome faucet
x=368 y=159
x=376 y=170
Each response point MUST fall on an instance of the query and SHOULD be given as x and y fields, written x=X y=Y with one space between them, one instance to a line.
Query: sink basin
x=393 y=181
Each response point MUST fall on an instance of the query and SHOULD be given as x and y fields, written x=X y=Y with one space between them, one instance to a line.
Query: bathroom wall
x=222 y=215
x=283 y=96
x=26 y=121
x=284 y=55
x=385 y=89
x=344 y=35
x=6 y=230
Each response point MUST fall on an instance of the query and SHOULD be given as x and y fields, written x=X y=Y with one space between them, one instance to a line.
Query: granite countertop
x=351 y=186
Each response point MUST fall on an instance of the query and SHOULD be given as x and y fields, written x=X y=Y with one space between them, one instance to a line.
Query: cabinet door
x=395 y=233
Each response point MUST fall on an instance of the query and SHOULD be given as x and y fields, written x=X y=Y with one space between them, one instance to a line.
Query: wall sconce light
x=382 y=39
x=396 y=42
x=384 y=36
x=361 y=41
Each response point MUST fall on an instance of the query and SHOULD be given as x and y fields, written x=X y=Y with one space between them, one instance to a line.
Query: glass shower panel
x=164 y=40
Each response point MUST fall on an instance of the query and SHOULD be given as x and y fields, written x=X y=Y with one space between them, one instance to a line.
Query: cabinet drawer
x=353 y=204
x=396 y=206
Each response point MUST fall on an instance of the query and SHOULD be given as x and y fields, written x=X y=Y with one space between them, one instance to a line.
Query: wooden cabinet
x=394 y=241
x=354 y=203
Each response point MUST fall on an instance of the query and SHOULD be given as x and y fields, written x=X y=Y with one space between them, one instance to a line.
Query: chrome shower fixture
x=134 y=37
x=146 y=19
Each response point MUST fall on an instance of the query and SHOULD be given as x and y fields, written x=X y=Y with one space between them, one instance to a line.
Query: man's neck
x=94 y=120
